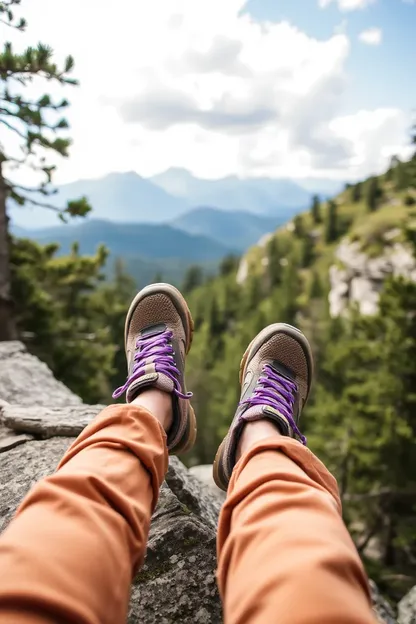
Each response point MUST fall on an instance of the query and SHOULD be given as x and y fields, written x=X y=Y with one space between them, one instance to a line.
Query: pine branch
x=5 y=8
x=29 y=189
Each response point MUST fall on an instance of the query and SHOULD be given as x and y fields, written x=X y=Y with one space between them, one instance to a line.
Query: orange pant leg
x=285 y=554
x=70 y=553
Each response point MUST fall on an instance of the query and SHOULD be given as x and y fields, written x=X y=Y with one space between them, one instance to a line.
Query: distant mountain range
x=142 y=240
x=129 y=198
x=165 y=223
x=146 y=249
x=257 y=195
x=237 y=230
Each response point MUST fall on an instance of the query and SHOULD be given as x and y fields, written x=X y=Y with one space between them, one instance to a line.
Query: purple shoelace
x=277 y=392
x=159 y=351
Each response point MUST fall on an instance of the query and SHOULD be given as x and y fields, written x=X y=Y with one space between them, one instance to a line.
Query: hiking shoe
x=158 y=335
x=276 y=376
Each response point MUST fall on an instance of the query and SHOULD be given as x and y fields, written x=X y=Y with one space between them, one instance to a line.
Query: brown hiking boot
x=158 y=335
x=276 y=376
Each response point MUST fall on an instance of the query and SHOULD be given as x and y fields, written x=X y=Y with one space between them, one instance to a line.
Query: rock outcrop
x=38 y=416
x=177 y=583
x=407 y=608
x=358 y=279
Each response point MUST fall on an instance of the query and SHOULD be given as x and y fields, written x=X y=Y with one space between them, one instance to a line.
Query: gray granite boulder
x=38 y=416
x=407 y=608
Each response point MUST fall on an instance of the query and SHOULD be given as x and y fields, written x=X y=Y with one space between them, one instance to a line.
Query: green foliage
x=36 y=121
x=193 y=278
x=34 y=135
x=356 y=192
x=229 y=265
x=316 y=288
x=298 y=226
x=366 y=398
x=331 y=223
x=316 y=210
x=64 y=314
x=307 y=251
x=374 y=192
x=274 y=268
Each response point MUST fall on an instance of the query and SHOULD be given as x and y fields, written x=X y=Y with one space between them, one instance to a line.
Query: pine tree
x=316 y=210
x=228 y=265
x=331 y=224
x=252 y=293
x=356 y=192
x=289 y=292
x=315 y=287
x=274 y=268
x=307 y=251
x=373 y=194
x=63 y=316
x=37 y=123
x=194 y=277
x=391 y=171
x=412 y=161
x=299 y=226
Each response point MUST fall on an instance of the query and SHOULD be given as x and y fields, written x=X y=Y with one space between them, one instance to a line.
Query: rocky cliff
x=357 y=279
x=38 y=419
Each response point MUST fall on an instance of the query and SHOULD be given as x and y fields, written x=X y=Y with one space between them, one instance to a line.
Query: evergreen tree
x=356 y=192
x=37 y=123
x=252 y=294
x=307 y=251
x=373 y=194
x=289 y=292
x=228 y=265
x=315 y=287
x=316 y=210
x=61 y=317
x=412 y=161
x=331 y=223
x=194 y=277
x=299 y=228
x=274 y=268
x=391 y=171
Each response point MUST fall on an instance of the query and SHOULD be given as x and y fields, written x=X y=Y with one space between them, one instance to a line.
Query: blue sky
x=379 y=75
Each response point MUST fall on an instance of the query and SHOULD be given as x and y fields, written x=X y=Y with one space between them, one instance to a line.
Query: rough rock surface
x=177 y=582
x=204 y=475
x=24 y=380
x=358 y=279
x=193 y=493
x=407 y=608
x=382 y=608
x=49 y=422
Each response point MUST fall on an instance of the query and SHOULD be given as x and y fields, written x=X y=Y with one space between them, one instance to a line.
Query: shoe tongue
x=154 y=380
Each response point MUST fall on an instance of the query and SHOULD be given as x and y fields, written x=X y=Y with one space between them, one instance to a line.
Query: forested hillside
x=361 y=418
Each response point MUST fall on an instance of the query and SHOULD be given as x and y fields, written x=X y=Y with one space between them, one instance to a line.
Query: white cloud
x=376 y=135
x=371 y=36
x=201 y=85
x=347 y=5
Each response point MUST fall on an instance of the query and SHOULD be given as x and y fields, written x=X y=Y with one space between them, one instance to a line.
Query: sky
x=276 y=88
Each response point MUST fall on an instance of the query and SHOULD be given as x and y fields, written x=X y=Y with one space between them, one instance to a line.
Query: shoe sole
x=250 y=352
x=182 y=309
